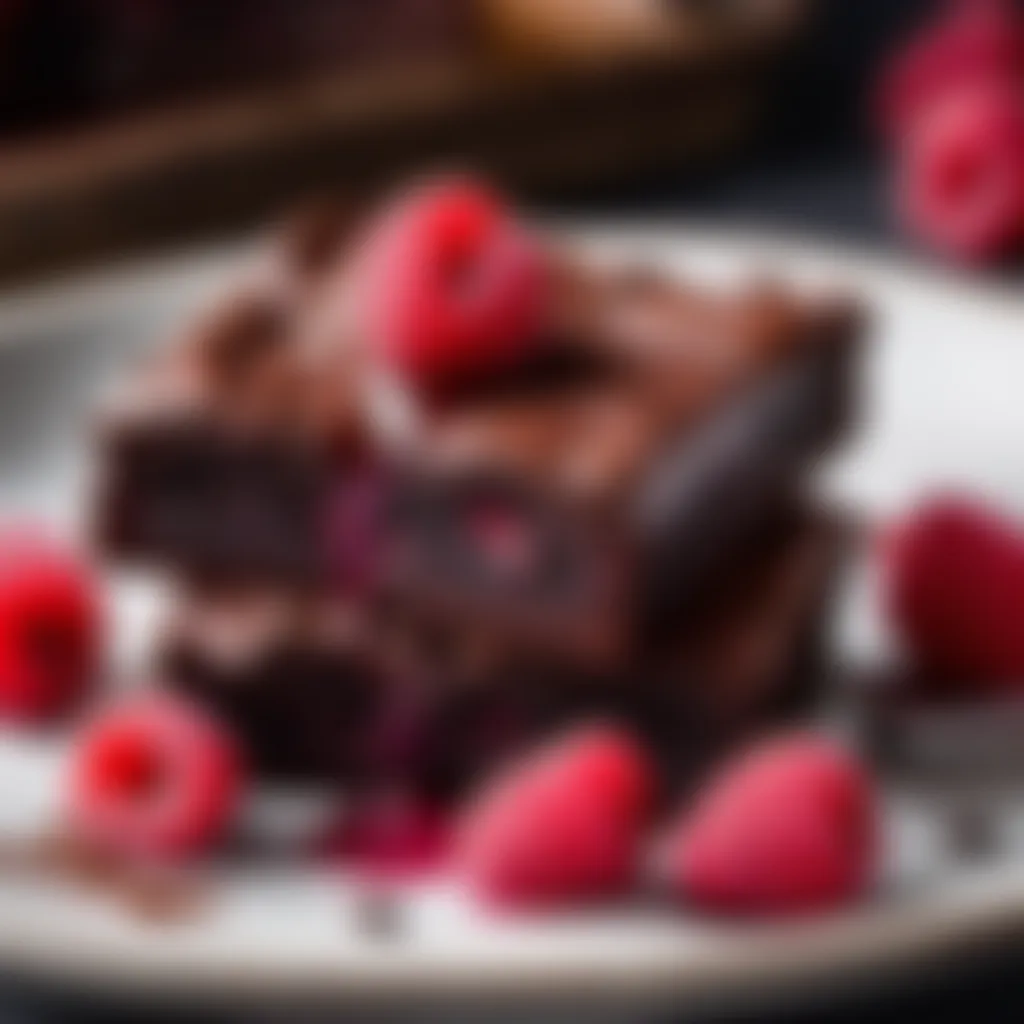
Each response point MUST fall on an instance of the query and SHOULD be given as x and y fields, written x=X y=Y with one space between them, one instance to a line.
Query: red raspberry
x=153 y=777
x=954 y=589
x=788 y=828
x=50 y=629
x=975 y=42
x=961 y=173
x=449 y=285
x=564 y=827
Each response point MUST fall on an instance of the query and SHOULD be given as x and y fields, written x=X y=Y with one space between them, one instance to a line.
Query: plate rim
x=844 y=944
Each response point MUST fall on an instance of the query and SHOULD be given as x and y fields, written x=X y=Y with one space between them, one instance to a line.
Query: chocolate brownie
x=213 y=459
x=581 y=505
x=318 y=689
x=753 y=655
x=574 y=506
x=288 y=674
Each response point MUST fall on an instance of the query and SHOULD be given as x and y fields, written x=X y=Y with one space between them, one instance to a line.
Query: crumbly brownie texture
x=579 y=505
x=216 y=460
x=319 y=690
x=288 y=674
x=753 y=654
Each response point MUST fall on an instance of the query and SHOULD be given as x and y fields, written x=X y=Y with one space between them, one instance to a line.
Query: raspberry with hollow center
x=154 y=777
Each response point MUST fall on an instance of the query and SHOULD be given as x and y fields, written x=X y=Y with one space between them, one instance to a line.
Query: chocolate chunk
x=659 y=472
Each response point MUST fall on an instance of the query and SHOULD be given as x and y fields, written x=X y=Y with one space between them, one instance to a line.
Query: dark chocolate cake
x=385 y=584
x=320 y=690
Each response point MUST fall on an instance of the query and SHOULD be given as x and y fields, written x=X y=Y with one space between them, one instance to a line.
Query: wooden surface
x=204 y=169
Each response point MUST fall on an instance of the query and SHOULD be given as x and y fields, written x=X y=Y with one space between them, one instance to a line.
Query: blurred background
x=132 y=124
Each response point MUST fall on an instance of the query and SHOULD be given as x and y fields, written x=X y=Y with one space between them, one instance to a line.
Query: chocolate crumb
x=161 y=897
x=161 y=894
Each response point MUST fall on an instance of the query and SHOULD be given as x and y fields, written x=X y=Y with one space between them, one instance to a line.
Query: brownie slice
x=318 y=690
x=215 y=459
x=289 y=675
x=579 y=507
x=752 y=656
x=574 y=507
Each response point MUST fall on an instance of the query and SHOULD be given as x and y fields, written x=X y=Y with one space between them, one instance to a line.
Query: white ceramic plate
x=944 y=406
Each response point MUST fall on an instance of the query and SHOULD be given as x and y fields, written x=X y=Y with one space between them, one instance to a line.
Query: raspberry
x=786 y=829
x=562 y=828
x=154 y=778
x=50 y=629
x=977 y=41
x=954 y=589
x=449 y=285
x=961 y=173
